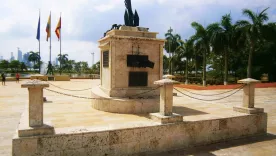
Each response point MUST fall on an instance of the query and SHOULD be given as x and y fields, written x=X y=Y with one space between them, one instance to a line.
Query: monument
x=131 y=63
x=131 y=60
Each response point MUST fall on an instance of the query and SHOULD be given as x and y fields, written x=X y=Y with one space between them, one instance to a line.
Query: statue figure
x=136 y=19
x=130 y=19
x=114 y=26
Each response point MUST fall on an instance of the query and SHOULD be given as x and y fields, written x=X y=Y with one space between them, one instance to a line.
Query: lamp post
x=92 y=59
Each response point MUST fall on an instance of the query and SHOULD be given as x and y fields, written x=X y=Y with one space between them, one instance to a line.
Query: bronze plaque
x=138 y=79
x=106 y=59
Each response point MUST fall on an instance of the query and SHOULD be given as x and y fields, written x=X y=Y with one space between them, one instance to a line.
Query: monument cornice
x=111 y=37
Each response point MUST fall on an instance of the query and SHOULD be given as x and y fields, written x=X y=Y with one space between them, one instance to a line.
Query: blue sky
x=85 y=21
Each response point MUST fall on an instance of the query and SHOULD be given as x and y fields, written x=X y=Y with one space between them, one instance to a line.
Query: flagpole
x=39 y=45
x=50 y=38
x=60 y=45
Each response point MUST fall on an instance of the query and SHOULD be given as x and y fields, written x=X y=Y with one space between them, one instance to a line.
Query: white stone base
x=123 y=105
x=248 y=110
x=166 y=119
x=24 y=130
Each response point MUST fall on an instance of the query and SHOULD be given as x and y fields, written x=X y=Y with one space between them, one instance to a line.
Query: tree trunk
x=204 y=68
x=195 y=67
x=172 y=64
x=170 y=61
x=186 y=71
x=249 y=67
x=226 y=67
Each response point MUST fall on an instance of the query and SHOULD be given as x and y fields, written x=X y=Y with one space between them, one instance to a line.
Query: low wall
x=62 y=78
x=40 y=77
x=10 y=79
x=157 y=138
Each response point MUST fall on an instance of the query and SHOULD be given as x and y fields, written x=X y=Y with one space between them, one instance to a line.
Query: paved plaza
x=75 y=114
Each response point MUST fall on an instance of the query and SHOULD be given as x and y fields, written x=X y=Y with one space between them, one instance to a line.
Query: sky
x=85 y=21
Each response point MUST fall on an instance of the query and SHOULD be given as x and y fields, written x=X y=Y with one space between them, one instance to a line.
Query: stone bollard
x=31 y=122
x=166 y=114
x=35 y=89
x=248 y=98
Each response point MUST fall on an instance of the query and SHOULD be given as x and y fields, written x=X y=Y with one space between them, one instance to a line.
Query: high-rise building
x=54 y=63
x=12 y=57
x=57 y=62
x=19 y=55
x=1 y=58
x=25 y=59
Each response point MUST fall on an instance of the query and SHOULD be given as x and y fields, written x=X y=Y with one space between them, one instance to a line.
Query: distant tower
x=57 y=62
x=19 y=55
x=12 y=57
x=25 y=59
x=1 y=58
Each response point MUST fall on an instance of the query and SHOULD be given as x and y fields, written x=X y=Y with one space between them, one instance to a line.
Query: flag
x=58 y=28
x=48 y=28
x=38 y=30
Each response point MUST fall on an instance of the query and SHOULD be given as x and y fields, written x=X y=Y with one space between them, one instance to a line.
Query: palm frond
x=250 y=15
x=242 y=23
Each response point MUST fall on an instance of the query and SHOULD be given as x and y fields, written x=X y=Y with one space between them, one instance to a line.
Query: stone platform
x=135 y=139
x=133 y=105
x=75 y=116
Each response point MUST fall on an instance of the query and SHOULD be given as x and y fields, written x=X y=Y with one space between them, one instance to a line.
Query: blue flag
x=38 y=30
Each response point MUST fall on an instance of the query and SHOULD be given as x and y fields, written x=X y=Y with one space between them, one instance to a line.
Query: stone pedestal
x=166 y=103
x=35 y=89
x=121 y=54
x=31 y=122
x=248 y=97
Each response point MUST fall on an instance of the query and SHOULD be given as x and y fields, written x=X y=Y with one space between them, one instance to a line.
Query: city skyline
x=84 y=22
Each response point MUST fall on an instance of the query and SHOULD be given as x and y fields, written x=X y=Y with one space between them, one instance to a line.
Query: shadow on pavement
x=185 y=111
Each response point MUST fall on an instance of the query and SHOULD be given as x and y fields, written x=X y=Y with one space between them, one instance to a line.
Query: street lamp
x=92 y=59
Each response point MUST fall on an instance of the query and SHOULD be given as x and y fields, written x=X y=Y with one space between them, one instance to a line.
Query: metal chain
x=210 y=99
x=143 y=92
x=95 y=98
x=81 y=97
x=68 y=89
x=212 y=94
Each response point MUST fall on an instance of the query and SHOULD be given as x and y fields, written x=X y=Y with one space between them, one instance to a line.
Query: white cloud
x=84 y=21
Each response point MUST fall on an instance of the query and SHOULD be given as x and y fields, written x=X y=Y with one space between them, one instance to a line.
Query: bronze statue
x=130 y=18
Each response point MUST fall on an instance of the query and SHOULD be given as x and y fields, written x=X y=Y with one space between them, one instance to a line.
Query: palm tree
x=23 y=66
x=172 y=42
x=84 y=66
x=70 y=65
x=34 y=57
x=63 y=59
x=186 y=50
x=253 y=31
x=222 y=40
x=202 y=41
x=4 y=64
x=165 y=64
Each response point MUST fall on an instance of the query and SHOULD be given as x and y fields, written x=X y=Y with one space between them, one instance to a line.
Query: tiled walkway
x=70 y=114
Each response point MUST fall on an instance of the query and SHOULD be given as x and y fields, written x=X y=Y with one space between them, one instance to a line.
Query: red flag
x=58 y=28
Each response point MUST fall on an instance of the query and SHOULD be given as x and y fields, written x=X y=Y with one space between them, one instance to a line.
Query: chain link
x=210 y=99
x=97 y=98
x=213 y=94
x=67 y=89
x=144 y=92
x=81 y=97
